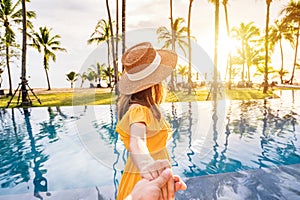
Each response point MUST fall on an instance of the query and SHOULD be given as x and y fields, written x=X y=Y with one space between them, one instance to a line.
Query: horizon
x=75 y=21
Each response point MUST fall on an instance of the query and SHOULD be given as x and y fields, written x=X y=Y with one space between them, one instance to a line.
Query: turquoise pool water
x=59 y=148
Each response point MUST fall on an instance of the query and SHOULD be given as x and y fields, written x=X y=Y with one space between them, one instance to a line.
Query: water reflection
x=39 y=181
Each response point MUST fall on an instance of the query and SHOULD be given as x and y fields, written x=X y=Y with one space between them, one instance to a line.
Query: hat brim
x=167 y=65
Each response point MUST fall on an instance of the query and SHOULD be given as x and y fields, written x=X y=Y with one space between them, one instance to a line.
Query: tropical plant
x=278 y=32
x=72 y=77
x=183 y=71
x=215 y=76
x=266 y=79
x=176 y=38
x=91 y=76
x=11 y=16
x=48 y=45
x=1 y=71
x=112 y=46
x=101 y=34
x=229 y=62
x=291 y=14
x=246 y=34
x=83 y=78
x=190 y=47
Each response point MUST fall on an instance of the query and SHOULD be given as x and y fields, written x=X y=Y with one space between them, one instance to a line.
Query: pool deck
x=270 y=183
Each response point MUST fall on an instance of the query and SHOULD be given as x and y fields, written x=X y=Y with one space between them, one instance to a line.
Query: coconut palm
x=183 y=71
x=72 y=77
x=229 y=62
x=48 y=45
x=190 y=46
x=180 y=37
x=123 y=27
x=1 y=71
x=278 y=32
x=246 y=34
x=217 y=5
x=112 y=46
x=291 y=14
x=101 y=34
x=83 y=77
x=11 y=16
x=266 y=84
x=176 y=38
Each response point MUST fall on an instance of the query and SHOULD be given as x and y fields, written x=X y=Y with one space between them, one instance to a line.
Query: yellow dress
x=158 y=132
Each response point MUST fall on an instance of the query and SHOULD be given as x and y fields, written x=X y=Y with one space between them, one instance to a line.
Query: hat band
x=147 y=71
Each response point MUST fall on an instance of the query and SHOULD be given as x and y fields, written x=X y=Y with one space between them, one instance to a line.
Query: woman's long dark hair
x=150 y=97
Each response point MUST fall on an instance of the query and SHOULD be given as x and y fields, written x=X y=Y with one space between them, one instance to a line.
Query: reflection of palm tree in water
x=175 y=122
x=275 y=126
x=40 y=182
x=108 y=134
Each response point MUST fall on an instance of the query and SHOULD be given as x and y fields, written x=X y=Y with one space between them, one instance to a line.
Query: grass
x=100 y=97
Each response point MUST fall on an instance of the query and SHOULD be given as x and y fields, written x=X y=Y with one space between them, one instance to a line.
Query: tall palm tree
x=48 y=45
x=1 y=71
x=278 y=32
x=10 y=16
x=266 y=84
x=123 y=27
x=101 y=34
x=176 y=39
x=180 y=37
x=292 y=16
x=72 y=77
x=190 y=47
x=112 y=39
x=245 y=33
x=215 y=77
x=229 y=62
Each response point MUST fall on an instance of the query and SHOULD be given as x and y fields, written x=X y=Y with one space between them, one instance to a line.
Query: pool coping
x=281 y=182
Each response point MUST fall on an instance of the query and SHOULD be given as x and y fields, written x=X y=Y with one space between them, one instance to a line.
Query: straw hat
x=144 y=67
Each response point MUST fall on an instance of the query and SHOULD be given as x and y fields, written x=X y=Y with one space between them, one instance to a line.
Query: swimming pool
x=62 y=148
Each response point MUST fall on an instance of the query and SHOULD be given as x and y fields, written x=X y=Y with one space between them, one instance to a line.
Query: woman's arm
x=140 y=155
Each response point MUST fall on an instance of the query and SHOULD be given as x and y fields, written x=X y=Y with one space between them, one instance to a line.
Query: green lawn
x=99 y=97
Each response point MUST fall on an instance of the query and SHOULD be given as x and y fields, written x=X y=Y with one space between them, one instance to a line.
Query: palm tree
x=176 y=39
x=72 y=77
x=123 y=27
x=1 y=71
x=229 y=62
x=292 y=16
x=102 y=34
x=99 y=72
x=10 y=16
x=190 y=47
x=83 y=77
x=113 y=46
x=183 y=71
x=277 y=32
x=91 y=75
x=48 y=45
x=179 y=36
x=266 y=84
x=215 y=77
x=246 y=34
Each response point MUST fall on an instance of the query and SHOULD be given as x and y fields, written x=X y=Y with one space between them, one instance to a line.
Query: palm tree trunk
x=8 y=70
x=281 y=54
x=123 y=27
x=266 y=84
x=296 y=52
x=190 y=48
x=215 y=81
x=117 y=34
x=112 y=46
x=108 y=62
x=172 y=85
x=23 y=76
x=46 y=71
x=229 y=62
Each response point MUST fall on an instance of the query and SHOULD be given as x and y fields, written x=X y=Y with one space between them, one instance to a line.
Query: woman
x=141 y=126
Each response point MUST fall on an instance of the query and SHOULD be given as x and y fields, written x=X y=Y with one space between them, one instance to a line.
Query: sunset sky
x=75 y=20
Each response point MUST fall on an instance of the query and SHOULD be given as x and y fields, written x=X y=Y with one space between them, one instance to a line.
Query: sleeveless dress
x=158 y=132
